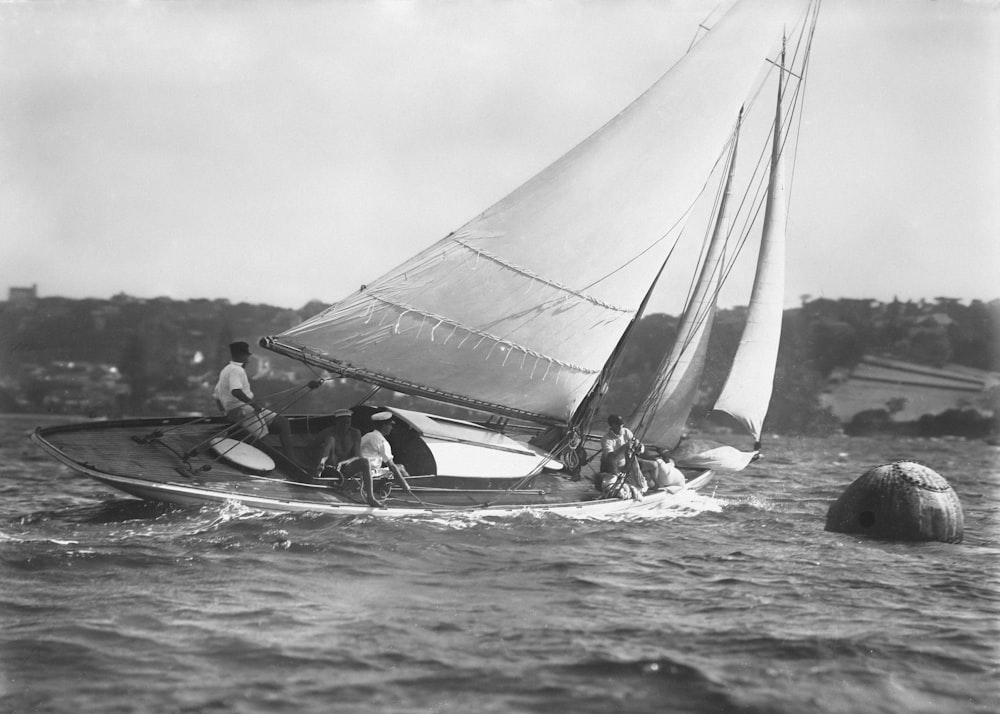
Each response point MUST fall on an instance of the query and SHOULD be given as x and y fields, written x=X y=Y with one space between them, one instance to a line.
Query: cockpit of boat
x=457 y=452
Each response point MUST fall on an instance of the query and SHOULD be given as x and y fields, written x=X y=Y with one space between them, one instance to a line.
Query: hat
x=615 y=420
x=239 y=348
x=382 y=416
x=342 y=413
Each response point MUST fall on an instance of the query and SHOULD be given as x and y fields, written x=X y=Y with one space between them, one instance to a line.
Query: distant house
x=23 y=297
x=937 y=319
x=908 y=391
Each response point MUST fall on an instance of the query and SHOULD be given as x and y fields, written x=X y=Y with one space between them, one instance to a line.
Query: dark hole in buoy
x=899 y=501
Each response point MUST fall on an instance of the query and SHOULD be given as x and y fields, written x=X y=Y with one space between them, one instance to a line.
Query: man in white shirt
x=615 y=446
x=234 y=397
x=376 y=449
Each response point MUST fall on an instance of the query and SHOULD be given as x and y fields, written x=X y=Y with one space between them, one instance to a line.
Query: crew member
x=339 y=446
x=615 y=447
x=235 y=398
x=375 y=448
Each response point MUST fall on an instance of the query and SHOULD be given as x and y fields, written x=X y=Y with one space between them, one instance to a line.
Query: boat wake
x=115 y=521
x=684 y=505
x=747 y=503
x=131 y=521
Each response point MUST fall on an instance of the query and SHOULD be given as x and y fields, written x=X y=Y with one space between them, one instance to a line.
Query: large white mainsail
x=517 y=312
x=746 y=394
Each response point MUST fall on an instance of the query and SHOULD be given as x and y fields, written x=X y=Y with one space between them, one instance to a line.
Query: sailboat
x=520 y=317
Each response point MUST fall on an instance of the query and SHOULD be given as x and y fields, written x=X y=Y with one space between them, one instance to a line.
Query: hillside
x=131 y=356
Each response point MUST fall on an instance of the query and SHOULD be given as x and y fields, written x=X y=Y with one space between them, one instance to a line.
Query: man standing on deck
x=233 y=396
x=375 y=448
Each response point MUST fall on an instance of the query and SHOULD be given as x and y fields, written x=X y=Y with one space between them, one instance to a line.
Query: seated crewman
x=338 y=446
x=615 y=445
x=375 y=448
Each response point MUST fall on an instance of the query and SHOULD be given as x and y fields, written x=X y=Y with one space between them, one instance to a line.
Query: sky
x=281 y=152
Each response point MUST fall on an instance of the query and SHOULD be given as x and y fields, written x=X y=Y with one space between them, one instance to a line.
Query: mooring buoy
x=899 y=501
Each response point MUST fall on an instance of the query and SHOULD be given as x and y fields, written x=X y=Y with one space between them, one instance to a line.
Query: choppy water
x=739 y=603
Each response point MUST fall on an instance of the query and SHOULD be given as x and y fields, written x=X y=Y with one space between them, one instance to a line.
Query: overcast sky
x=278 y=152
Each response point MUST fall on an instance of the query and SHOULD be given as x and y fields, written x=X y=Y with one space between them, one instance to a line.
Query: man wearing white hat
x=375 y=448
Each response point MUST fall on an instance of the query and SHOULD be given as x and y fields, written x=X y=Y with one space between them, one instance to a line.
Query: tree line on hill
x=131 y=356
x=818 y=338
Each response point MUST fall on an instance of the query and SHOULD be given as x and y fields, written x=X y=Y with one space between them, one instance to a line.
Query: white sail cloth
x=746 y=394
x=707 y=455
x=521 y=307
x=661 y=416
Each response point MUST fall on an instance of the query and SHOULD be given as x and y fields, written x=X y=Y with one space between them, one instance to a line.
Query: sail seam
x=497 y=341
x=480 y=253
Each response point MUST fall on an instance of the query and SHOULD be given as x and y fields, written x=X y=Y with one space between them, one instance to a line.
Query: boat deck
x=170 y=460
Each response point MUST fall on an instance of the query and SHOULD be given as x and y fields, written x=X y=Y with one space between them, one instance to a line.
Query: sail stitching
x=483 y=336
x=480 y=253
x=315 y=357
